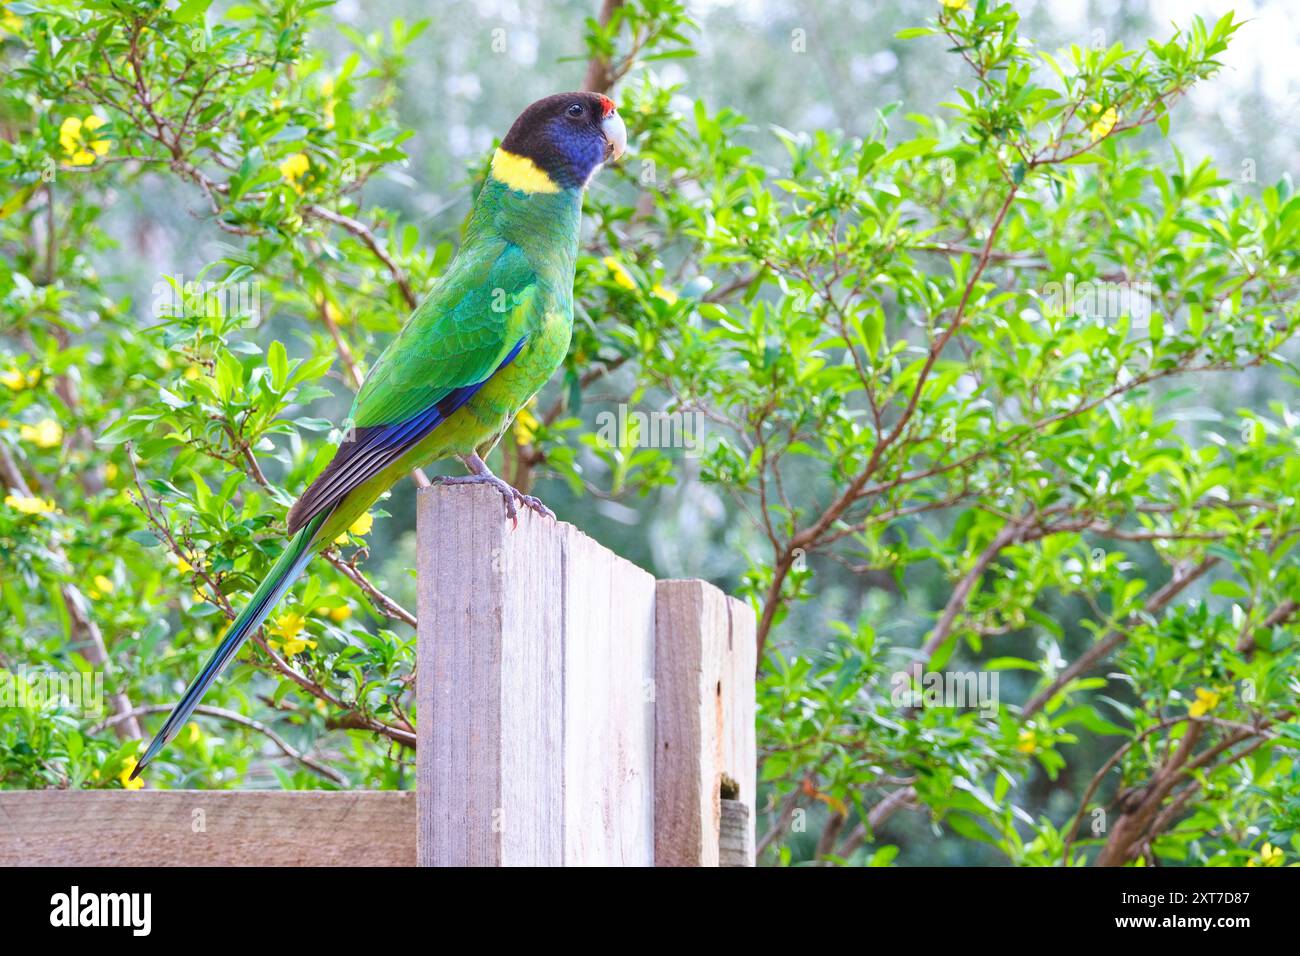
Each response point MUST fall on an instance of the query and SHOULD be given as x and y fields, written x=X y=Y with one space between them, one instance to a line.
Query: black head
x=568 y=136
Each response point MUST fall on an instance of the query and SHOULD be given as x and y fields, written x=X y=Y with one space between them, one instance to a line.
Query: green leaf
x=278 y=361
x=909 y=150
x=191 y=10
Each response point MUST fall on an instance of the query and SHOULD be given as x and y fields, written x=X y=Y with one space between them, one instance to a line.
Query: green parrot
x=491 y=332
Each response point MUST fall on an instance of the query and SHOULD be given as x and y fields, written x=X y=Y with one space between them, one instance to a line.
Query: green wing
x=456 y=337
x=472 y=323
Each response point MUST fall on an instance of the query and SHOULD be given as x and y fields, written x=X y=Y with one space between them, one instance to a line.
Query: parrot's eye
x=575 y=109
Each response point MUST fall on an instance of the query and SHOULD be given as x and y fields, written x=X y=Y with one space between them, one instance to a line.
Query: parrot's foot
x=508 y=492
x=512 y=495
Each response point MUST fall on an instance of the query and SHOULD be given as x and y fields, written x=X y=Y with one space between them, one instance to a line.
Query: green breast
x=545 y=226
x=496 y=405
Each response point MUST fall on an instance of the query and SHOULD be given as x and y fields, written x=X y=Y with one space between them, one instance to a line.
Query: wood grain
x=736 y=839
x=488 y=684
x=206 y=828
x=536 y=651
x=704 y=718
x=740 y=751
x=609 y=645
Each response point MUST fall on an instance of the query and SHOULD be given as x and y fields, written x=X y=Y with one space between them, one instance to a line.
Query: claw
x=508 y=493
x=535 y=504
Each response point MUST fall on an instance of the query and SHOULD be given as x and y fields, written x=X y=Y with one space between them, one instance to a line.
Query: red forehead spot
x=606 y=105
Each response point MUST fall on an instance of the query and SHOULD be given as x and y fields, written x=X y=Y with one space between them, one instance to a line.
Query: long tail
x=268 y=593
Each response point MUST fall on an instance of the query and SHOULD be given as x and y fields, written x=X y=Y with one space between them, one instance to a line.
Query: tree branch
x=236 y=718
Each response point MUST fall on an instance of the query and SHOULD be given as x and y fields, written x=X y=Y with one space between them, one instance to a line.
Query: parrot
x=490 y=333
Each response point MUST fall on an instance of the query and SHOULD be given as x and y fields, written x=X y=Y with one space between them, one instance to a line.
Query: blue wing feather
x=375 y=447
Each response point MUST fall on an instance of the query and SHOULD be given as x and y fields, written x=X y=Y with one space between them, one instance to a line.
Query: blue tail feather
x=268 y=594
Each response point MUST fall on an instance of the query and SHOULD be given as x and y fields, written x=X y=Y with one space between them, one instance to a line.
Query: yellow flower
x=102 y=586
x=191 y=373
x=954 y=4
x=1028 y=741
x=192 y=733
x=29 y=506
x=183 y=566
x=74 y=138
x=110 y=472
x=526 y=425
x=1206 y=701
x=15 y=381
x=1104 y=122
x=290 y=648
x=289 y=627
x=293 y=168
x=125 y=776
x=359 y=527
x=621 y=275
x=10 y=22
x=330 y=310
x=45 y=434
x=340 y=614
x=1269 y=855
x=668 y=295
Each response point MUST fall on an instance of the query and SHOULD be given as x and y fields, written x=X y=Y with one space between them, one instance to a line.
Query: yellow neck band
x=521 y=173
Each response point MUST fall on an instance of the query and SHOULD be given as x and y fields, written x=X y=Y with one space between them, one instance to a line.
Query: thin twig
x=236 y=718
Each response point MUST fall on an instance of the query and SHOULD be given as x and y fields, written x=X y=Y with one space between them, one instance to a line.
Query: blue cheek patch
x=583 y=150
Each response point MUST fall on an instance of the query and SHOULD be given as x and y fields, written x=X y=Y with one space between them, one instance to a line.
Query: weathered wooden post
x=705 y=762
x=573 y=711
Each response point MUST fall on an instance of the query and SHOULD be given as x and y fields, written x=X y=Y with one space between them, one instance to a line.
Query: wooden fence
x=572 y=711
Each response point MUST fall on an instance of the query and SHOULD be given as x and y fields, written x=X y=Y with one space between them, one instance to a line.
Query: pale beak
x=615 y=134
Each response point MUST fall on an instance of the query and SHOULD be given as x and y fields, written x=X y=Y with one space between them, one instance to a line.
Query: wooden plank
x=536 y=646
x=489 y=681
x=687 y=707
x=704 y=723
x=736 y=840
x=609 y=630
x=740 y=754
x=571 y=711
x=207 y=828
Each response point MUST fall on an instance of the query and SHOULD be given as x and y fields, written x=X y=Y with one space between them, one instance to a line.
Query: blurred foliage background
x=814 y=199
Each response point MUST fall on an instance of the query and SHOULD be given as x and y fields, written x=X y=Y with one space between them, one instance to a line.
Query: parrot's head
x=559 y=142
